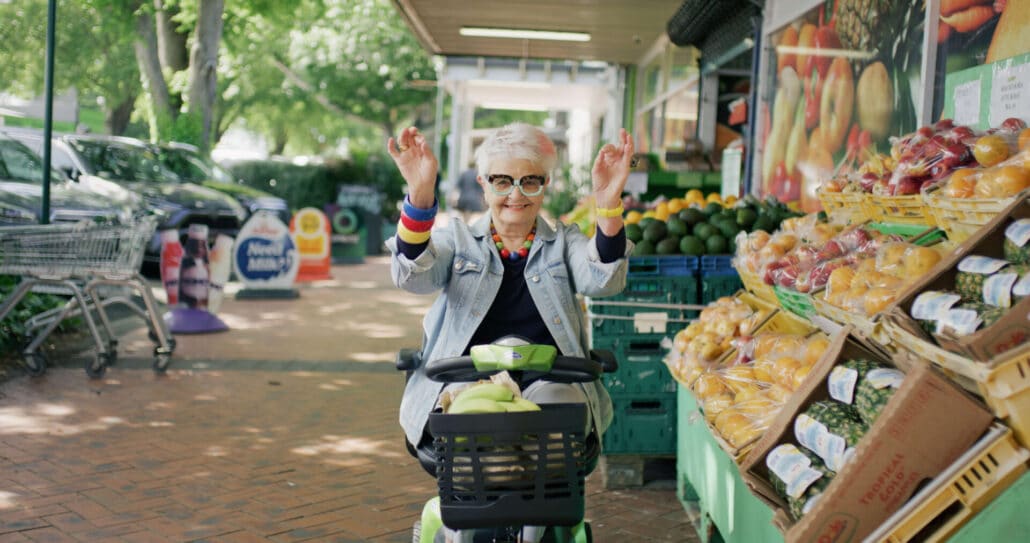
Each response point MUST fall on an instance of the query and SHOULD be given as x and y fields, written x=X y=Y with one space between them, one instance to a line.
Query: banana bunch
x=488 y=397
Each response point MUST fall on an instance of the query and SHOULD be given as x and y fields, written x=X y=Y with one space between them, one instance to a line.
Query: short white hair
x=518 y=141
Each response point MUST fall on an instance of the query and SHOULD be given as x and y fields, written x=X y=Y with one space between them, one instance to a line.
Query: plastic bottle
x=171 y=263
x=220 y=266
x=194 y=278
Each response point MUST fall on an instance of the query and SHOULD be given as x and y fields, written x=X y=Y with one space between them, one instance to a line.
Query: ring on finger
x=402 y=148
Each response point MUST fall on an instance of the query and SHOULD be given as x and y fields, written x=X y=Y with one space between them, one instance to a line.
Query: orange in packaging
x=814 y=350
x=1024 y=139
x=990 y=150
x=962 y=183
x=919 y=261
x=877 y=299
x=1003 y=182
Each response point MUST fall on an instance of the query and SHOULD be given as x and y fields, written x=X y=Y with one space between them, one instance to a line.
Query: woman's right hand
x=417 y=165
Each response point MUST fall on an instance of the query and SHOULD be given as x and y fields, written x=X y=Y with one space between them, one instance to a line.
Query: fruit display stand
x=843 y=207
x=1003 y=519
x=955 y=496
x=709 y=478
x=962 y=217
x=909 y=209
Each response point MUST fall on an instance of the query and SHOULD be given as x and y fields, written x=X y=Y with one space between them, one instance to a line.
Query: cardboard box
x=927 y=424
x=990 y=345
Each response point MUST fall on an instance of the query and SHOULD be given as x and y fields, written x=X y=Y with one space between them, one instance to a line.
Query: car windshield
x=19 y=163
x=190 y=166
x=126 y=162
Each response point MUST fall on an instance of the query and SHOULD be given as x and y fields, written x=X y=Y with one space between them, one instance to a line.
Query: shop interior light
x=823 y=52
x=521 y=34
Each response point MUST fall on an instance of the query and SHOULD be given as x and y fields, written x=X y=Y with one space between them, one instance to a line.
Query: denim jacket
x=463 y=262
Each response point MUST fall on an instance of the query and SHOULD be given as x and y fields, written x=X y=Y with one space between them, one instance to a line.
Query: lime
x=746 y=218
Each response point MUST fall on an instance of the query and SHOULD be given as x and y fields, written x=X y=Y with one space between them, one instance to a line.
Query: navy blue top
x=513 y=310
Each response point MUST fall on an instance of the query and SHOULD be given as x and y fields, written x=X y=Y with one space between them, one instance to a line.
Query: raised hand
x=611 y=169
x=417 y=165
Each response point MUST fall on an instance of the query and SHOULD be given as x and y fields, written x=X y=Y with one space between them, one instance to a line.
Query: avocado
x=668 y=246
x=712 y=209
x=764 y=223
x=746 y=218
x=677 y=227
x=691 y=216
x=728 y=229
x=704 y=230
x=643 y=248
x=634 y=232
x=690 y=245
x=655 y=231
x=716 y=245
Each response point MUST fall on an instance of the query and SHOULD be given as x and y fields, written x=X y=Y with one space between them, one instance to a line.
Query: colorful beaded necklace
x=506 y=254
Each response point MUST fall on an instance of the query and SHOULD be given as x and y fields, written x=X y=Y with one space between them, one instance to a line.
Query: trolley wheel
x=153 y=337
x=95 y=368
x=161 y=360
x=35 y=363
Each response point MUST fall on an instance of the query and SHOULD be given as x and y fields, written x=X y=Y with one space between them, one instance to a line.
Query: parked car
x=191 y=165
x=126 y=168
x=21 y=192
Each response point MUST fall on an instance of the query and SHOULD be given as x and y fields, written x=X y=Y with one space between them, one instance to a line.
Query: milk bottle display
x=194 y=276
x=171 y=262
x=220 y=266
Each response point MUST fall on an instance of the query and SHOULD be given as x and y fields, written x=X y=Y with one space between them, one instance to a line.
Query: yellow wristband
x=412 y=238
x=610 y=212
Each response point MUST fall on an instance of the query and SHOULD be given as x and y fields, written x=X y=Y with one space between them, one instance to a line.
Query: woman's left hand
x=611 y=169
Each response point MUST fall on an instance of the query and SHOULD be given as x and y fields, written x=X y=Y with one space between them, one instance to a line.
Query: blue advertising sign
x=265 y=256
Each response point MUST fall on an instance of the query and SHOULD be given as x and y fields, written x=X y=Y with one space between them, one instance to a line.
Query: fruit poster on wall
x=972 y=34
x=841 y=79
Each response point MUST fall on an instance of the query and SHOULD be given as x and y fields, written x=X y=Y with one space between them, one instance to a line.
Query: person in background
x=470 y=202
x=510 y=272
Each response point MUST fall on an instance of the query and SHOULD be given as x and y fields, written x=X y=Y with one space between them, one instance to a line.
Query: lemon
x=633 y=217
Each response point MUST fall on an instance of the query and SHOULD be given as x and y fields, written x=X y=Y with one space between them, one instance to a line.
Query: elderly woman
x=510 y=272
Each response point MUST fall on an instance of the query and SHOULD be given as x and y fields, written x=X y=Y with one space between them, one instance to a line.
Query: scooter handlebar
x=564 y=369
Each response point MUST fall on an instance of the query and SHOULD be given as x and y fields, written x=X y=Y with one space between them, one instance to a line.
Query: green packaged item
x=800 y=506
x=797 y=475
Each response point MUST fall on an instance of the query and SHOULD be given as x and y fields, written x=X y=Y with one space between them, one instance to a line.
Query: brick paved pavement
x=283 y=429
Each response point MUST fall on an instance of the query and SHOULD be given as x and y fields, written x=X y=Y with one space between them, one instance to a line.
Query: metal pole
x=48 y=114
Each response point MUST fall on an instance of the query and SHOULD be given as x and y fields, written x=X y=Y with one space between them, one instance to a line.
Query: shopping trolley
x=79 y=260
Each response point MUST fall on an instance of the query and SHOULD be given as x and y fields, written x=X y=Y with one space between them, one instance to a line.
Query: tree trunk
x=116 y=120
x=150 y=64
x=171 y=44
x=204 y=65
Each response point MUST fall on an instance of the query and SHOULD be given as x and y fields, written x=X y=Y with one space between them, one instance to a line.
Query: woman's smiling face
x=514 y=208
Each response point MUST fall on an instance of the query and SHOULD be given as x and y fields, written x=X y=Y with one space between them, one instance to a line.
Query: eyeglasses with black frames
x=529 y=185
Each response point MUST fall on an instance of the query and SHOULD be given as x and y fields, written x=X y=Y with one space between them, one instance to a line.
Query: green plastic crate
x=644 y=424
x=642 y=368
x=715 y=285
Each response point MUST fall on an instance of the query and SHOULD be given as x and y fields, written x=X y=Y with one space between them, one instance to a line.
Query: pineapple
x=799 y=506
x=970 y=285
x=874 y=391
x=841 y=421
x=859 y=23
x=1016 y=232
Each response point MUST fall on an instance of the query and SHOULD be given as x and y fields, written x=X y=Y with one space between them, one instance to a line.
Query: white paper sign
x=636 y=183
x=967 y=103
x=1010 y=93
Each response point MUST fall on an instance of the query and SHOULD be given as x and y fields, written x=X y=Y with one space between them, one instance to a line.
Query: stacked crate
x=633 y=325
x=718 y=278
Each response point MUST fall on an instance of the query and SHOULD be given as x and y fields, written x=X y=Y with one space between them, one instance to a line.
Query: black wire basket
x=507 y=469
